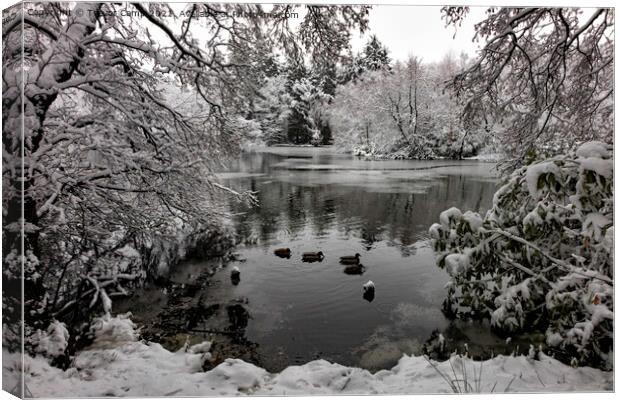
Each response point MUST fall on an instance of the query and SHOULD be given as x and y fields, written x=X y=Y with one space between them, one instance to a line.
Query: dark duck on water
x=284 y=252
x=357 y=269
x=350 y=260
x=312 y=256
x=235 y=275
x=369 y=291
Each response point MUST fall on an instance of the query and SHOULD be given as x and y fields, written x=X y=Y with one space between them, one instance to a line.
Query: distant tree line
x=367 y=104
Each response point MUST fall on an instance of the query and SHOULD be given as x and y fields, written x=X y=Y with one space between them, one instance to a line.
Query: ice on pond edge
x=134 y=368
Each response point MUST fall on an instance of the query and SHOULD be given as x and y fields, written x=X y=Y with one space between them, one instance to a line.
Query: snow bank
x=139 y=370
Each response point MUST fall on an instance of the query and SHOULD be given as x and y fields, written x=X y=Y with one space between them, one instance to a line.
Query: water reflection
x=369 y=296
x=287 y=209
x=238 y=318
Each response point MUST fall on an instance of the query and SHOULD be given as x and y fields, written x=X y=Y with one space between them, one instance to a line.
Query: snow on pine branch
x=542 y=257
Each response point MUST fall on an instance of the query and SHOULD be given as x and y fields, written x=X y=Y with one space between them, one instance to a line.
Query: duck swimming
x=235 y=276
x=350 y=260
x=369 y=291
x=357 y=269
x=284 y=252
x=312 y=256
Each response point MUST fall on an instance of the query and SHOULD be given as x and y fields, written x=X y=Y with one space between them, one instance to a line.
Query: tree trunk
x=415 y=107
x=462 y=145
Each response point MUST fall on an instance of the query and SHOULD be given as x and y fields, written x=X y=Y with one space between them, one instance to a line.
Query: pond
x=286 y=311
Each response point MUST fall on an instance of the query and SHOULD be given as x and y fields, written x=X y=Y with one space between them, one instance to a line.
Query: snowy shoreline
x=117 y=364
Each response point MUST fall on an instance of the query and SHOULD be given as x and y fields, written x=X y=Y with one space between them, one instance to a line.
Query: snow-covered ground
x=119 y=365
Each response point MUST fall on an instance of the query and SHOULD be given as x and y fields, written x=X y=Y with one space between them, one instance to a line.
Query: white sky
x=420 y=31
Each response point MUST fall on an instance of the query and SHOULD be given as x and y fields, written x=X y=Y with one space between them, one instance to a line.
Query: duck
x=312 y=256
x=369 y=291
x=357 y=269
x=284 y=252
x=350 y=260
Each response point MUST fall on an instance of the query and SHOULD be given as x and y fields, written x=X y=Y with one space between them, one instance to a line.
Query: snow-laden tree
x=386 y=112
x=272 y=110
x=404 y=112
x=312 y=78
x=359 y=117
x=123 y=114
x=454 y=137
x=542 y=257
x=110 y=155
x=546 y=72
x=374 y=57
x=308 y=102
x=408 y=95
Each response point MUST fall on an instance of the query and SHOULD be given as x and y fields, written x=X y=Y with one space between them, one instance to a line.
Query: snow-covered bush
x=52 y=342
x=365 y=150
x=542 y=257
x=109 y=332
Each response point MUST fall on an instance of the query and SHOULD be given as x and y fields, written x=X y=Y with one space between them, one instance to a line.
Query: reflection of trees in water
x=478 y=339
x=322 y=220
x=369 y=238
x=401 y=218
x=295 y=210
x=238 y=318
x=255 y=162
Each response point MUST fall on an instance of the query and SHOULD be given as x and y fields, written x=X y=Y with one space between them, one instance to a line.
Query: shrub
x=542 y=257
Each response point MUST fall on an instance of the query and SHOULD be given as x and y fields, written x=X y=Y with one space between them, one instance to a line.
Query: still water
x=313 y=199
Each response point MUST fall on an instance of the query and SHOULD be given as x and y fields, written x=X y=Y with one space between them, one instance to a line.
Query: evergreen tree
x=375 y=56
x=296 y=128
x=325 y=78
